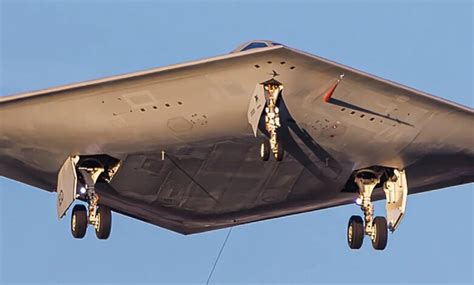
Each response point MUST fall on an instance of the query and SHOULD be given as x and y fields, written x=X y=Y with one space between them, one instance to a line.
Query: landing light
x=82 y=190
x=358 y=201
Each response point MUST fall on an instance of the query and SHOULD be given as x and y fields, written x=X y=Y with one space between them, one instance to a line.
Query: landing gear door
x=396 y=193
x=256 y=106
x=67 y=185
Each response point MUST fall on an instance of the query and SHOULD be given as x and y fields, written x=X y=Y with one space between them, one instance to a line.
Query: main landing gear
x=396 y=190
x=76 y=180
x=99 y=216
x=80 y=219
x=272 y=89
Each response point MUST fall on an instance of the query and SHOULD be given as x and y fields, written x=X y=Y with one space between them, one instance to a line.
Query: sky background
x=423 y=44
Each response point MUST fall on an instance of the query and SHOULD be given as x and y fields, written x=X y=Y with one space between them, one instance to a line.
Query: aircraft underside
x=194 y=195
x=191 y=148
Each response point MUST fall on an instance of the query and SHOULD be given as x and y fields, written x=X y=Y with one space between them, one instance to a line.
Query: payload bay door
x=67 y=185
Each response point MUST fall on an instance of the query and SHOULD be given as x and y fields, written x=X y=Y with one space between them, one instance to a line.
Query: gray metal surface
x=212 y=175
x=67 y=185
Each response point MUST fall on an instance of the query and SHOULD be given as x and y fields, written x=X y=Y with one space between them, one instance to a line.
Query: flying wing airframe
x=262 y=132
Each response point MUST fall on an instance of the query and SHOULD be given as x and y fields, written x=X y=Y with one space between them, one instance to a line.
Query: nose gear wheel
x=265 y=150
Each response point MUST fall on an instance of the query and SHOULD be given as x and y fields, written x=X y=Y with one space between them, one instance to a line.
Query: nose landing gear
x=266 y=100
x=265 y=149
x=272 y=90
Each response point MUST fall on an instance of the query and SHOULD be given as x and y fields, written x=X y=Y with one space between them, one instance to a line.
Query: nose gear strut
x=272 y=89
x=265 y=98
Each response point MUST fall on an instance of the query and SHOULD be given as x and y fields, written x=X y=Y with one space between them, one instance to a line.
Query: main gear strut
x=396 y=191
x=98 y=216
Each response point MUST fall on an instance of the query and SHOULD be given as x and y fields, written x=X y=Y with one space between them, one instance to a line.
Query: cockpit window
x=255 y=45
x=276 y=44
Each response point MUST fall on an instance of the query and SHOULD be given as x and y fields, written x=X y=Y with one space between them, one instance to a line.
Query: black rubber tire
x=280 y=153
x=381 y=233
x=79 y=221
x=265 y=150
x=105 y=222
x=356 y=238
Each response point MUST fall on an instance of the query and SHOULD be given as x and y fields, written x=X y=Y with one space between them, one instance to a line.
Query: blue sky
x=423 y=44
